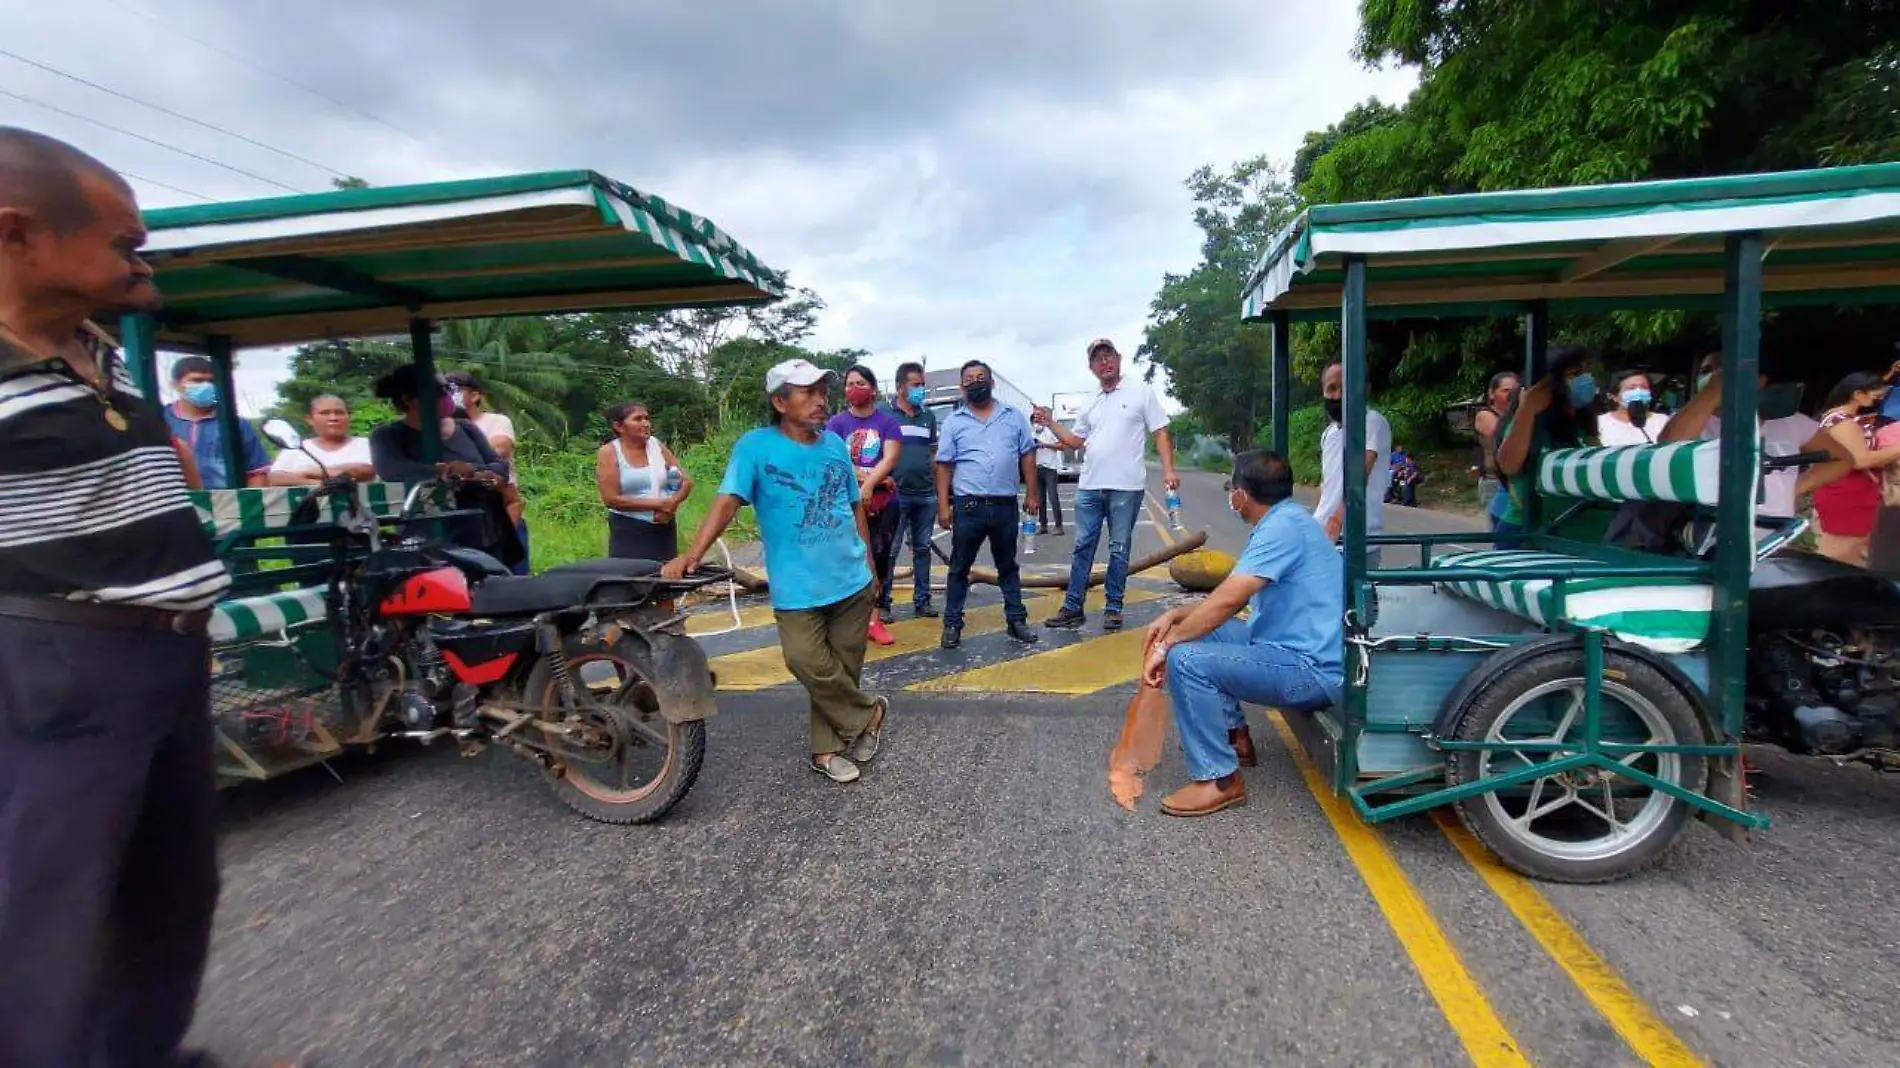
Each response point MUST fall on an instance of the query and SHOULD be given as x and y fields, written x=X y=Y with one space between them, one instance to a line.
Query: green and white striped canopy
x=1832 y=236
x=361 y=262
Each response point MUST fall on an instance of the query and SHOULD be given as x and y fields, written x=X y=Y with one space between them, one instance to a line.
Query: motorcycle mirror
x=283 y=434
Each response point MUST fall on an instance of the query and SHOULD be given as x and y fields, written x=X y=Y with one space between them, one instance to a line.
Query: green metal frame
x=1742 y=304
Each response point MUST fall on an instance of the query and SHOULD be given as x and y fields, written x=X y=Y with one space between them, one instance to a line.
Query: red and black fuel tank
x=439 y=590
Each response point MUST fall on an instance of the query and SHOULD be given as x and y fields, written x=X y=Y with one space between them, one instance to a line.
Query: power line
x=168 y=111
x=148 y=140
x=254 y=65
x=153 y=181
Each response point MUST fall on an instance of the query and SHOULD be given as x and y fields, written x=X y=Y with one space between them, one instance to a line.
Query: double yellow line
x=1484 y=1035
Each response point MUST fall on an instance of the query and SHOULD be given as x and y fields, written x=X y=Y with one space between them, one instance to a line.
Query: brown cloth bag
x=1139 y=749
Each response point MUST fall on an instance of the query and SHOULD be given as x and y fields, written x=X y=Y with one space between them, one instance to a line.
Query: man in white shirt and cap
x=1114 y=426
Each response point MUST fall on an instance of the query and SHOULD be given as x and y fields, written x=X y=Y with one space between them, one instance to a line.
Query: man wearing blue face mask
x=194 y=420
x=1633 y=418
x=916 y=478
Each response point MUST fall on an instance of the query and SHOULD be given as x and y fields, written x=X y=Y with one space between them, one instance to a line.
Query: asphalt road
x=977 y=899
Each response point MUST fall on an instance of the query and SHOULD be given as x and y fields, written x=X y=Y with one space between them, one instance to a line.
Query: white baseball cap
x=794 y=373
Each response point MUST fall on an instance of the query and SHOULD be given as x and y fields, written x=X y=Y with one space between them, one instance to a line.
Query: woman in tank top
x=642 y=486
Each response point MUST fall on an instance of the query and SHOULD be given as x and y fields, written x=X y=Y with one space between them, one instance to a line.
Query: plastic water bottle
x=1174 y=509
x=1029 y=536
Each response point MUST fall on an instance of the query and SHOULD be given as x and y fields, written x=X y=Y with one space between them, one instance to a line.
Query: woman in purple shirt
x=873 y=437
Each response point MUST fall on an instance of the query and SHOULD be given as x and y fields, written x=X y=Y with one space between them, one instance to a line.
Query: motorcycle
x=585 y=669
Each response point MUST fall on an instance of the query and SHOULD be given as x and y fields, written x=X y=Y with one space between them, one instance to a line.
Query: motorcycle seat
x=554 y=590
x=608 y=565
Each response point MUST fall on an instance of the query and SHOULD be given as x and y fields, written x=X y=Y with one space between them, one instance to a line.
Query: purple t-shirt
x=866 y=438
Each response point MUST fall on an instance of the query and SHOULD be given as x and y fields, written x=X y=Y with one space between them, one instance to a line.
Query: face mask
x=1779 y=402
x=977 y=393
x=859 y=396
x=1583 y=390
x=1231 y=506
x=446 y=406
x=1702 y=380
x=1633 y=397
x=1336 y=409
x=202 y=394
x=915 y=396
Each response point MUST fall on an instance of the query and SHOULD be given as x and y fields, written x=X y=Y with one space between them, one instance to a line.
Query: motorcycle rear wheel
x=592 y=788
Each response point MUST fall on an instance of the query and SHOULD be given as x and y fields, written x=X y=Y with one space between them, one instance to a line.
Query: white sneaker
x=835 y=767
x=864 y=747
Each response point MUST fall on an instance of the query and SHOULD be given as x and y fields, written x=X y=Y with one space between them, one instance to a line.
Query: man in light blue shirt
x=798 y=478
x=1288 y=654
x=984 y=454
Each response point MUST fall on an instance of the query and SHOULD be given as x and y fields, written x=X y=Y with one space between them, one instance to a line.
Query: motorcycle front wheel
x=620 y=761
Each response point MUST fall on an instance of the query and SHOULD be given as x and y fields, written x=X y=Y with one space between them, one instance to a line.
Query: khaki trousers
x=824 y=650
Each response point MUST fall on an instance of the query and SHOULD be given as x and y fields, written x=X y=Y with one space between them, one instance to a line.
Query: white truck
x=1066 y=407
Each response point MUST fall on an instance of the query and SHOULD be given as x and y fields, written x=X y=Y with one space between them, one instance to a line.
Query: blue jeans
x=1209 y=677
x=916 y=522
x=995 y=520
x=1119 y=507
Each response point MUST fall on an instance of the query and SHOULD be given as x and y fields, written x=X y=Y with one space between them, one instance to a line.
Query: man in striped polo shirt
x=108 y=872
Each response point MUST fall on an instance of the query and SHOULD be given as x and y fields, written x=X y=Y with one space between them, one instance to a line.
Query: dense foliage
x=1515 y=95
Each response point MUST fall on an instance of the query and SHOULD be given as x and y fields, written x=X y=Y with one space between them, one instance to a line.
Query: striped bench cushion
x=1667 y=615
x=252 y=509
x=1686 y=472
x=266 y=614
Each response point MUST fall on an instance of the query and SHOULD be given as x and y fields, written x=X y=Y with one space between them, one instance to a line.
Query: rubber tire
x=688 y=745
x=1489 y=699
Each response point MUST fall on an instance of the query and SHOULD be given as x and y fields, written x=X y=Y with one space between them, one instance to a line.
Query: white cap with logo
x=794 y=373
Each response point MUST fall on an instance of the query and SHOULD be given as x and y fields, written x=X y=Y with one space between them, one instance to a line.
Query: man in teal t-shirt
x=798 y=478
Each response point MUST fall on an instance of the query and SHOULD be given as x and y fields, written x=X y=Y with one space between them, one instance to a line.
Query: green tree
x=522 y=373
x=1217 y=366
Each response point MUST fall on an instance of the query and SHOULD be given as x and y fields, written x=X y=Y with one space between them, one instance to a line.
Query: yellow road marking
x=720 y=618
x=1159 y=516
x=1485 y=1038
x=760 y=669
x=1084 y=667
x=1646 y=1034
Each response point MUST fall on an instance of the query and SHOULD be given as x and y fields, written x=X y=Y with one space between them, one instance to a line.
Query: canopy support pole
x=138 y=347
x=1536 y=349
x=1735 y=550
x=1352 y=472
x=1282 y=380
x=422 y=345
x=218 y=348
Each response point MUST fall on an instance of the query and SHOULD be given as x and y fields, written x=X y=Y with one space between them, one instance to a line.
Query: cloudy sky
x=979 y=178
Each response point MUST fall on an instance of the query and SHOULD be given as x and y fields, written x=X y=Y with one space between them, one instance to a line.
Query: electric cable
x=287 y=154
x=153 y=181
x=148 y=140
x=171 y=27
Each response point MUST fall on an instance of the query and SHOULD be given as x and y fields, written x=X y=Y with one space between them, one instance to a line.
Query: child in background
x=1405 y=479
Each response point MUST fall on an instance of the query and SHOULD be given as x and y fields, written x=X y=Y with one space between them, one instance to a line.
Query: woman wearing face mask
x=1844 y=509
x=1560 y=406
x=1632 y=421
x=874 y=438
